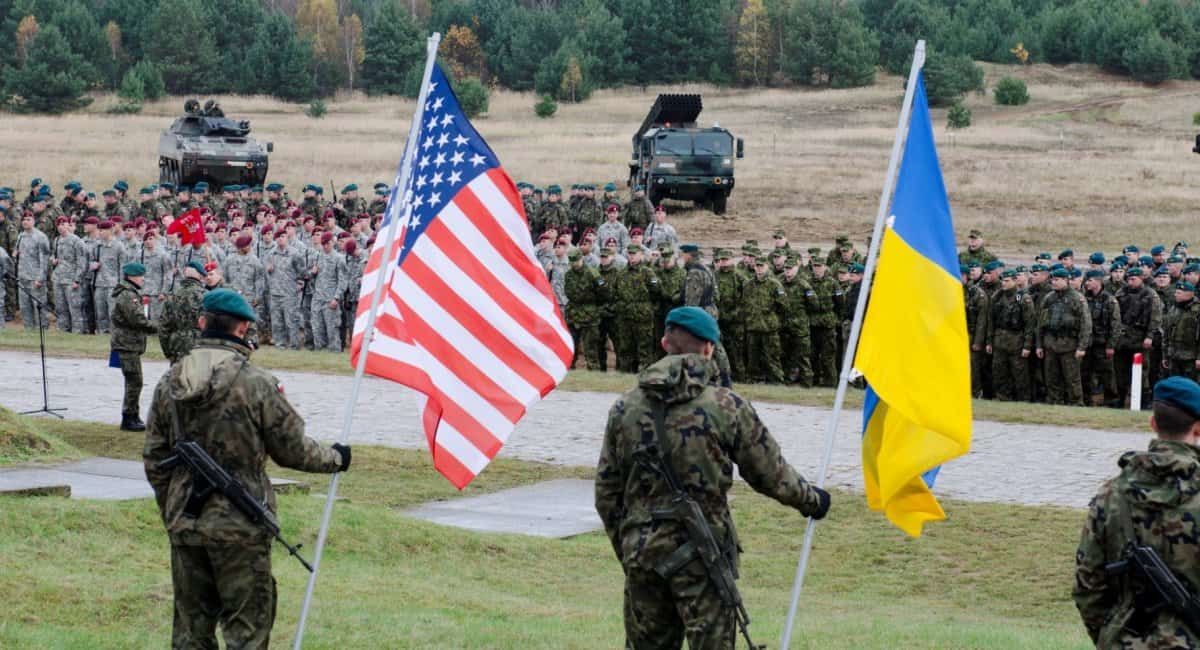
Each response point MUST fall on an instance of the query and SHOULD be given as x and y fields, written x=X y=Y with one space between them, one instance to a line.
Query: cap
x=1094 y=274
x=1060 y=273
x=975 y=233
x=350 y=188
x=1096 y=258
x=1180 y=392
x=1066 y=253
x=196 y=266
x=1009 y=274
x=1185 y=286
x=689 y=248
x=245 y=240
x=696 y=321
x=228 y=301
x=133 y=269
x=1135 y=272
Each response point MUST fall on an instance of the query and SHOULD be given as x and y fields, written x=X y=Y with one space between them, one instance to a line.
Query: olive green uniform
x=1096 y=371
x=763 y=300
x=633 y=300
x=729 y=285
x=1064 y=327
x=587 y=294
x=129 y=329
x=1011 y=326
x=1141 y=319
x=823 y=328
x=1182 y=339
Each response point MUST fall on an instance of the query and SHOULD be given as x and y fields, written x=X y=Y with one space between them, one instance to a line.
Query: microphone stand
x=37 y=304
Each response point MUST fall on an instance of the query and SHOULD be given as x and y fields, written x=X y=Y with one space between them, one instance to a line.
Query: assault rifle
x=1160 y=587
x=701 y=541
x=209 y=477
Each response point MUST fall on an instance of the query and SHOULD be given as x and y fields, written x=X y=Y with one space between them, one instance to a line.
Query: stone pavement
x=561 y=508
x=90 y=478
x=1008 y=463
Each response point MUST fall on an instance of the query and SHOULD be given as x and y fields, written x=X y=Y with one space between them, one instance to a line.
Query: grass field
x=96 y=347
x=1094 y=161
x=95 y=575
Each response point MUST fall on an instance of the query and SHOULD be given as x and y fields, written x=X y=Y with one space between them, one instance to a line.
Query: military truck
x=675 y=159
x=204 y=145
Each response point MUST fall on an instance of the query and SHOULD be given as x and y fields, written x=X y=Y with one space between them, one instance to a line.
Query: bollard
x=1135 y=384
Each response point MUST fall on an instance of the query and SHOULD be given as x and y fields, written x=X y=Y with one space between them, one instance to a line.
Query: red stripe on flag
x=485 y=220
x=454 y=471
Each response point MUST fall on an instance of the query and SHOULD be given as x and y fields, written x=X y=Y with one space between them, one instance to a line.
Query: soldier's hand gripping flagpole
x=885 y=199
x=401 y=215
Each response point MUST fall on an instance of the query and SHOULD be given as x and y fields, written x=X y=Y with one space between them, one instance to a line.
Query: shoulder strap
x=658 y=411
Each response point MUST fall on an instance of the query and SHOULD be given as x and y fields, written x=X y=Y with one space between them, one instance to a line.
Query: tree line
x=299 y=50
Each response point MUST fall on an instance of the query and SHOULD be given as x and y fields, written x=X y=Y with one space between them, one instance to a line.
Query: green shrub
x=125 y=108
x=132 y=89
x=316 y=109
x=1152 y=59
x=1011 y=92
x=547 y=107
x=949 y=77
x=152 y=80
x=958 y=117
x=472 y=96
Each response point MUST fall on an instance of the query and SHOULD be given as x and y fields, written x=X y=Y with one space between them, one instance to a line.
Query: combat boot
x=132 y=423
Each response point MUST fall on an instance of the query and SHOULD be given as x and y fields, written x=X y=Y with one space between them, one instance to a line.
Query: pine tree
x=185 y=69
x=49 y=81
x=392 y=47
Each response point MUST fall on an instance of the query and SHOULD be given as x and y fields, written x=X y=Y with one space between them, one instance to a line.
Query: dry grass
x=1093 y=161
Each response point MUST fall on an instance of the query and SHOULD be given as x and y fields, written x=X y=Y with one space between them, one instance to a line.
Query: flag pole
x=406 y=166
x=885 y=199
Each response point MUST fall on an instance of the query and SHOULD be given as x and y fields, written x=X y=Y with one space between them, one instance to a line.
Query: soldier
x=106 y=266
x=794 y=337
x=245 y=274
x=551 y=214
x=1182 y=334
x=128 y=342
x=700 y=289
x=587 y=296
x=823 y=321
x=763 y=298
x=1064 y=335
x=220 y=560
x=1150 y=504
x=178 y=327
x=728 y=297
x=1141 y=320
x=382 y=194
x=527 y=202
x=33 y=264
x=8 y=242
x=659 y=231
x=69 y=264
x=636 y=213
x=975 y=250
x=1096 y=371
x=308 y=251
x=1010 y=323
x=978 y=306
x=671 y=291
x=700 y=432
x=275 y=197
x=633 y=303
x=613 y=229
x=356 y=263
x=285 y=273
x=6 y=272
x=349 y=206
x=121 y=188
x=159 y=271
x=587 y=213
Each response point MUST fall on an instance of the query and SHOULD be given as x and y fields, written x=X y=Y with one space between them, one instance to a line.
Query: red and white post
x=1135 y=384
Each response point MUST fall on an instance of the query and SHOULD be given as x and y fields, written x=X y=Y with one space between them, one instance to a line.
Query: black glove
x=822 y=504
x=344 y=450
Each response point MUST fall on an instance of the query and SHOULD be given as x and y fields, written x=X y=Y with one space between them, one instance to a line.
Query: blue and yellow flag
x=913 y=349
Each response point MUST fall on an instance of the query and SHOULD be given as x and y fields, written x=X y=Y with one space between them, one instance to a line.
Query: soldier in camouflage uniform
x=1181 y=336
x=975 y=251
x=1064 y=335
x=285 y=274
x=551 y=214
x=159 y=272
x=178 y=329
x=823 y=322
x=69 y=262
x=356 y=263
x=1141 y=320
x=587 y=213
x=129 y=329
x=609 y=271
x=730 y=283
x=329 y=281
x=1152 y=502
x=763 y=299
x=106 y=264
x=633 y=305
x=220 y=560
x=33 y=265
x=587 y=295
x=636 y=213
x=794 y=338
x=527 y=202
x=349 y=206
x=1096 y=371
x=700 y=290
x=670 y=294
x=245 y=274
x=612 y=228
x=1010 y=323
x=8 y=242
x=706 y=430
x=6 y=271
x=978 y=309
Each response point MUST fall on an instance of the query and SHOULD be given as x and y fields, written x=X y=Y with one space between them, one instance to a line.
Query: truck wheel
x=718 y=202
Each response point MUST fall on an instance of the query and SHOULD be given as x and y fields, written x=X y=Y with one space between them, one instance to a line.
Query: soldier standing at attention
x=1182 y=335
x=633 y=296
x=1141 y=318
x=587 y=295
x=1064 y=335
x=551 y=214
x=699 y=433
x=33 y=265
x=69 y=262
x=636 y=213
x=109 y=256
x=730 y=283
x=220 y=560
x=975 y=251
x=1010 y=339
x=129 y=329
x=795 y=344
x=178 y=327
x=1096 y=372
x=158 y=273
x=1151 y=502
x=671 y=291
x=823 y=325
x=329 y=282
x=764 y=299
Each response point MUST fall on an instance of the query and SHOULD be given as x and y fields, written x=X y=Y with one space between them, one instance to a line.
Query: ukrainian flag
x=913 y=349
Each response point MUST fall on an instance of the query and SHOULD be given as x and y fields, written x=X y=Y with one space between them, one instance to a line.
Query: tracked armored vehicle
x=204 y=145
x=675 y=159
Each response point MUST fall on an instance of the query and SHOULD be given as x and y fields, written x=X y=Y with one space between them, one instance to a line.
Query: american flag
x=468 y=319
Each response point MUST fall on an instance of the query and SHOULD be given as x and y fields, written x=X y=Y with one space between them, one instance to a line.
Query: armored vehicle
x=204 y=145
x=675 y=159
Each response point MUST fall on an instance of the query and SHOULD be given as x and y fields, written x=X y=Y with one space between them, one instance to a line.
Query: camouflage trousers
x=607 y=330
x=131 y=370
x=1123 y=369
x=634 y=342
x=69 y=313
x=9 y=301
x=156 y=307
x=263 y=309
x=102 y=299
x=326 y=324
x=1010 y=375
x=661 y=612
x=87 y=300
x=797 y=356
x=1097 y=376
x=764 y=352
x=31 y=310
x=227 y=585
x=731 y=338
x=587 y=345
x=1182 y=368
x=306 y=303
x=285 y=321
x=1063 y=383
x=824 y=349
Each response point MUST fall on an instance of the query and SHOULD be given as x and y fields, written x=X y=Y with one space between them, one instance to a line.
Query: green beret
x=146 y=190
x=1021 y=268
x=1066 y=253
x=1096 y=258
x=859 y=268
x=133 y=269
x=973 y=264
x=1135 y=272
x=962 y=269
x=696 y=321
x=167 y=186
x=1042 y=256
x=1185 y=286
x=554 y=189
x=610 y=187
x=202 y=186
x=993 y=265
x=1146 y=260
x=1158 y=250
x=689 y=248
x=309 y=187
x=574 y=254
x=109 y=192
x=350 y=188
x=274 y=187
x=633 y=248
x=1192 y=268
x=1076 y=273
x=121 y=185
x=319 y=189
x=1094 y=274
x=228 y=301
x=196 y=266
x=382 y=191
x=1131 y=249
x=35 y=182
x=1008 y=274
x=1158 y=272
x=1180 y=392
x=1060 y=273
x=1174 y=259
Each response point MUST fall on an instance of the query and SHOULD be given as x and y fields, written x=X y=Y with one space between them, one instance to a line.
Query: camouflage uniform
x=110 y=255
x=355 y=265
x=700 y=290
x=587 y=293
x=157 y=279
x=246 y=275
x=8 y=287
x=1141 y=319
x=285 y=269
x=978 y=310
x=179 y=329
x=709 y=430
x=70 y=262
x=549 y=214
x=633 y=297
x=670 y=294
x=637 y=213
x=608 y=314
x=220 y=560
x=1182 y=339
x=33 y=264
x=1096 y=370
x=613 y=230
x=1010 y=332
x=730 y=284
x=1064 y=327
x=795 y=344
x=129 y=329
x=823 y=321
x=329 y=284
x=762 y=301
x=1153 y=501
x=587 y=214
x=309 y=257
x=6 y=271
x=980 y=255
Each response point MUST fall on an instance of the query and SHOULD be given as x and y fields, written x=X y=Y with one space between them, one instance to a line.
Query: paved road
x=1008 y=463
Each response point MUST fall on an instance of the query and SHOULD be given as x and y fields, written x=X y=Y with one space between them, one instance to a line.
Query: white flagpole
x=885 y=200
x=402 y=212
